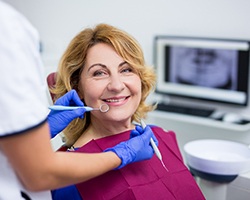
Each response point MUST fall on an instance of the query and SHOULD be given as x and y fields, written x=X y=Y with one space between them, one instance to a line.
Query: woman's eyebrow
x=97 y=64
x=123 y=63
x=104 y=66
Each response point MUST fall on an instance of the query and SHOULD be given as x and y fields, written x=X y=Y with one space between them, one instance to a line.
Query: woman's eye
x=127 y=70
x=99 y=73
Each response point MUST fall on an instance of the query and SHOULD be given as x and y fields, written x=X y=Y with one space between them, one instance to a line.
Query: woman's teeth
x=115 y=100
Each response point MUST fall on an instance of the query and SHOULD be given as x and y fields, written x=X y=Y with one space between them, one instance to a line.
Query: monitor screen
x=201 y=68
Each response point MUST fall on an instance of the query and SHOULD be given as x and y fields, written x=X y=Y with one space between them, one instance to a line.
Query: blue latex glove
x=139 y=130
x=137 y=148
x=59 y=120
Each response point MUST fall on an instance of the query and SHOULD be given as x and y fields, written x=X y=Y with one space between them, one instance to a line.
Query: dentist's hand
x=139 y=130
x=137 y=148
x=59 y=120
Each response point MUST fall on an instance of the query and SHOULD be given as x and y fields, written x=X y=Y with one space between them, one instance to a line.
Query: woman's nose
x=116 y=84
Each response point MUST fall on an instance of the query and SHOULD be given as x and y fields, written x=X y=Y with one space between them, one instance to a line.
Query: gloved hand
x=59 y=120
x=139 y=130
x=137 y=148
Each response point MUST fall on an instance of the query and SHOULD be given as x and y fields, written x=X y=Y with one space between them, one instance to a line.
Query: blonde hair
x=73 y=61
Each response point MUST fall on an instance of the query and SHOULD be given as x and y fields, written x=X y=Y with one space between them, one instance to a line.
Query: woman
x=105 y=65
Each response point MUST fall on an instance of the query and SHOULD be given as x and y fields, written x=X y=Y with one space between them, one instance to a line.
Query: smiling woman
x=106 y=65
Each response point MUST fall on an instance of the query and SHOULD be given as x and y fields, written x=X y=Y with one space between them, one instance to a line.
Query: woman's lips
x=116 y=100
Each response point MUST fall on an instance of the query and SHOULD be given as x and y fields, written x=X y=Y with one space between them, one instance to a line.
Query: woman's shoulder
x=167 y=136
x=161 y=130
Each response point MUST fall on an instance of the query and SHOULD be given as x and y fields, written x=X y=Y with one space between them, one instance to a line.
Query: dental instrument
x=156 y=150
x=103 y=108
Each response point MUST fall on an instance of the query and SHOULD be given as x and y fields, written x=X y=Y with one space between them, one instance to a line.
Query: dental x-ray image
x=214 y=68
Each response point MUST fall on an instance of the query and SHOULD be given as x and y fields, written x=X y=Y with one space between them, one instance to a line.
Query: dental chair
x=51 y=81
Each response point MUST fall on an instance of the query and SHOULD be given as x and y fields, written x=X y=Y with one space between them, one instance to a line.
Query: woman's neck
x=102 y=129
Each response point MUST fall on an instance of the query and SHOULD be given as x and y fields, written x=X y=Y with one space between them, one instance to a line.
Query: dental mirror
x=103 y=108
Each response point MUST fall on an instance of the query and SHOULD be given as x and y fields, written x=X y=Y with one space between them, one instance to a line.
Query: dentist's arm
x=40 y=168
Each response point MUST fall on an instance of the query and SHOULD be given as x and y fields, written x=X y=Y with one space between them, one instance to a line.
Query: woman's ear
x=80 y=94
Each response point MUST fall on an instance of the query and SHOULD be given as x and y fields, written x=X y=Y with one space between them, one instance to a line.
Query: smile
x=116 y=100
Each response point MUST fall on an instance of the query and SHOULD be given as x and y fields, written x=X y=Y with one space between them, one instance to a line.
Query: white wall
x=59 y=20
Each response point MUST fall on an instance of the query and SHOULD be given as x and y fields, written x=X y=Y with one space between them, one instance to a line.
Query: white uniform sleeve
x=22 y=82
x=23 y=92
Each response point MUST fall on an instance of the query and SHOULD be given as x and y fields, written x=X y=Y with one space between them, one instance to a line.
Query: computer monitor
x=202 y=68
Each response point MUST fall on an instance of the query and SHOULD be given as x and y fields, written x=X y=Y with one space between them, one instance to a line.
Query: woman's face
x=108 y=79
